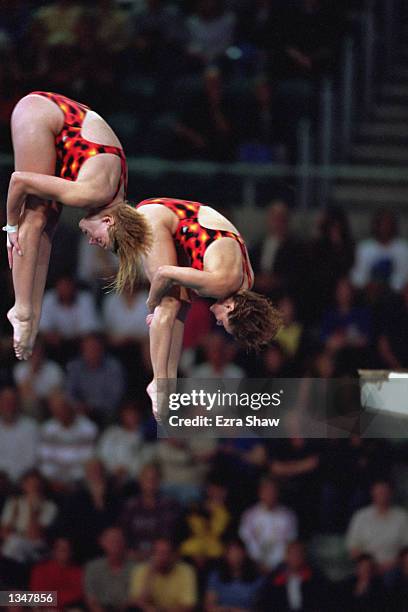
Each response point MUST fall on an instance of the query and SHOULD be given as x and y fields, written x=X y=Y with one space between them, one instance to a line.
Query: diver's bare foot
x=159 y=400
x=22 y=335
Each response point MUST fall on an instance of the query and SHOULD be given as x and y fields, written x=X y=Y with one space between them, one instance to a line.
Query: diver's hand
x=12 y=245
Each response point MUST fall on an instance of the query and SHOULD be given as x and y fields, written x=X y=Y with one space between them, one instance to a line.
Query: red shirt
x=66 y=580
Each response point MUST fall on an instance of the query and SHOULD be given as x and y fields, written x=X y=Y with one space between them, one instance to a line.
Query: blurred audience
x=380 y=529
x=392 y=351
x=364 y=591
x=294 y=586
x=17 y=432
x=67 y=315
x=235 y=583
x=219 y=354
x=210 y=31
x=148 y=515
x=37 y=378
x=206 y=524
x=124 y=315
x=25 y=519
x=107 y=578
x=122 y=447
x=61 y=574
x=332 y=256
x=184 y=464
x=267 y=527
x=67 y=442
x=96 y=502
x=164 y=582
x=95 y=380
x=382 y=258
x=279 y=259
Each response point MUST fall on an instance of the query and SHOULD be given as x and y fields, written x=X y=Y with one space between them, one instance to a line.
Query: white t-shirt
x=120 y=448
x=70 y=321
x=211 y=37
x=122 y=321
x=64 y=451
x=381 y=535
x=371 y=254
x=266 y=533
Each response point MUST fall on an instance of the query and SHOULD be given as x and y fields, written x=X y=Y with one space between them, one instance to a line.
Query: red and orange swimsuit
x=72 y=149
x=195 y=239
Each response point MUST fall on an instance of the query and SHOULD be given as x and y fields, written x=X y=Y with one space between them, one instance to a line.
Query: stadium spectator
x=148 y=515
x=164 y=582
x=37 y=379
x=58 y=22
x=60 y=574
x=25 y=520
x=383 y=258
x=5 y=489
x=67 y=441
x=332 y=256
x=267 y=527
x=364 y=591
x=67 y=314
x=124 y=316
x=210 y=31
x=17 y=432
x=399 y=591
x=275 y=362
x=290 y=336
x=294 y=586
x=219 y=355
x=258 y=125
x=235 y=583
x=347 y=324
x=122 y=447
x=205 y=121
x=279 y=259
x=206 y=524
x=184 y=464
x=107 y=578
x=392 y=351
x=96 y=502
x=95 y=380
x=295 y=463
x=380 y=529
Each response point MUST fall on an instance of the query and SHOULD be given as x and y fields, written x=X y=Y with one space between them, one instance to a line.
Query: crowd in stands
x=178 y=78
x=93 y=505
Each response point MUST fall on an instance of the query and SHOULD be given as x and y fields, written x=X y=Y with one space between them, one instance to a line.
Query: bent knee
x=35 y=219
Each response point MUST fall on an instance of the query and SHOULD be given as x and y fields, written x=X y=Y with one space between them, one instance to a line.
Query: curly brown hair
x=254 y=321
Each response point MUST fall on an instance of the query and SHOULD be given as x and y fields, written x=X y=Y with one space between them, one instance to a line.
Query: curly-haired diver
x=217 y=266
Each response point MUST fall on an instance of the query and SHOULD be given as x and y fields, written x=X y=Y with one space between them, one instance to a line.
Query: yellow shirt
x=289 y=338
x=177 y=588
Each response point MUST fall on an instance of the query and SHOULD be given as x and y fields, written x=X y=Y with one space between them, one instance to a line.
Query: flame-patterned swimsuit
x=72 y=148
x=195 y=239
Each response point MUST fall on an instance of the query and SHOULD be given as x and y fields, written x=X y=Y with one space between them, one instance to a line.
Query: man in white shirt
x=67 y=442
x=267 y=527
x=18 y=437
x=380 y=529
x=67 y=312
x=384 y=257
